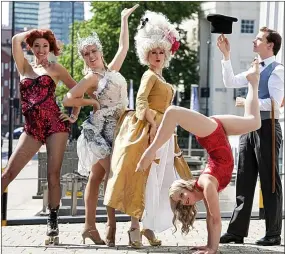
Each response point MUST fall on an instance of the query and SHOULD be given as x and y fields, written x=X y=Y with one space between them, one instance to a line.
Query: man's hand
x=240 y=102
x=224 y=46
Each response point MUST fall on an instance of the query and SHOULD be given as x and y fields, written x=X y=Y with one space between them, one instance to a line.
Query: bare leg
x=201 y=125
x=135 y=222
x=105 y=163
x=26 y=148
x=111 y=222
x=189 y=120
x=134 y=233
x=236 y=125
x=91 y=198
x=56 y=145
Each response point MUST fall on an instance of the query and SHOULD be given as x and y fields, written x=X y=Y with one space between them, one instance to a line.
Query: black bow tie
x=262 y=63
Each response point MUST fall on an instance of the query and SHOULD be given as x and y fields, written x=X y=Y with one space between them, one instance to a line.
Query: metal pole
x=194 y=105
x=73 y=126
x=74 y=195
x=4 y=197
x=11 y=102
x=208 y=74
x=72 y=36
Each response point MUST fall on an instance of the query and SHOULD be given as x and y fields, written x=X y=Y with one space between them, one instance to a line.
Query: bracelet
x=74 y=117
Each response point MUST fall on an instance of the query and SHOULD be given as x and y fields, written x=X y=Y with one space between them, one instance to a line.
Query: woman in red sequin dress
x=44 y=123
x=211 y=133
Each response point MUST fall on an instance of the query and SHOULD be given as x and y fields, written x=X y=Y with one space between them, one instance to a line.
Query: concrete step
x=42 y=219
x=80 y=211
x=66 y=201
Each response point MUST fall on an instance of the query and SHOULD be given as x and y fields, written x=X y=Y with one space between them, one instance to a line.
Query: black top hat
x=221 y=24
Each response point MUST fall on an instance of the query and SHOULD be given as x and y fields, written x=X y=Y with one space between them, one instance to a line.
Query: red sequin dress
x=40 y=109
x=220 y=162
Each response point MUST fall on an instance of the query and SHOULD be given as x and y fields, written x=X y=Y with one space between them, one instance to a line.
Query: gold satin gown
x=126 y=188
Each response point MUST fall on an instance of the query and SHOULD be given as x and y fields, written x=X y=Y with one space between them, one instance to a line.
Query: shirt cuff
x=226 y=63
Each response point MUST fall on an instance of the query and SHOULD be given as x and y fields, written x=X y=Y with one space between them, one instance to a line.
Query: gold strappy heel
x=110 y=236
x=87 y=233
x=135 y=240
x=152 y=241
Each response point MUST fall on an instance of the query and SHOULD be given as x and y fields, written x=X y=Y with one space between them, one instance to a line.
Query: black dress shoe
x=269 y=241
x=229 y=238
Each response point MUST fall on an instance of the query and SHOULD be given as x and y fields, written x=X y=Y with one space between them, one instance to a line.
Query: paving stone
x=30 y=239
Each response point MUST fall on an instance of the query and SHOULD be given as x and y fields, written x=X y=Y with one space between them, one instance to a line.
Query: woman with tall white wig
x=145 y=195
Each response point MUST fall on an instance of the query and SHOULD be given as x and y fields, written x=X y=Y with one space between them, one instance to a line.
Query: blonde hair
x=186 y=214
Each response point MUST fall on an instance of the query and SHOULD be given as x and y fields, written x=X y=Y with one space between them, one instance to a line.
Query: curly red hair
x=46 y=34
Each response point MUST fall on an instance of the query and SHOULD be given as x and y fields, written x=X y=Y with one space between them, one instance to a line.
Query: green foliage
x=106 y=22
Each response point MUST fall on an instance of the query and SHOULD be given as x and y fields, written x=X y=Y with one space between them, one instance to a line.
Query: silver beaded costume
x=96 y=139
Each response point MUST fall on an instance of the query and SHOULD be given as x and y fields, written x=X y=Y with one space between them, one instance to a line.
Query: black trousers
x=255 y=157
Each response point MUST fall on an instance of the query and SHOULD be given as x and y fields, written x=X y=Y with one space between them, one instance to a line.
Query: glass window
x=6 y=66
x=6 y=83
x=240 y=92
x=247 y=26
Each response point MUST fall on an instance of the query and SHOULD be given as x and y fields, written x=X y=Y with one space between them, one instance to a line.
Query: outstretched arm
x=121 y=54
x=230 y=80
x=214 y=225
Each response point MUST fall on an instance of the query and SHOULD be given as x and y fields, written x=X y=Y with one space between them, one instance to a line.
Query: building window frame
x=247 y=26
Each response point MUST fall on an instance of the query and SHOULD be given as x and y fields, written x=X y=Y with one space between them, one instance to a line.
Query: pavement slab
x=30 y=239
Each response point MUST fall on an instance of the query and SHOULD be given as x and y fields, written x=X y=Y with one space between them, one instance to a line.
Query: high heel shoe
x=153 y=241
x=87 y=233
x=110 y=236
x=135 y=240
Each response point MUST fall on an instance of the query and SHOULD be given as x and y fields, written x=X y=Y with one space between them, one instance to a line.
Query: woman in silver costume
x=108 y=91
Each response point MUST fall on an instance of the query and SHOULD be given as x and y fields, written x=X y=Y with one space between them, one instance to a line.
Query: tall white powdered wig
x=155 y=31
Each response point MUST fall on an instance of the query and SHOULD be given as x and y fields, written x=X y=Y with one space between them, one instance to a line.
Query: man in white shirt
x=255 y=152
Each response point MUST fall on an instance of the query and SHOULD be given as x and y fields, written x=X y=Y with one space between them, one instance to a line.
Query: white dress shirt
x=275 y=82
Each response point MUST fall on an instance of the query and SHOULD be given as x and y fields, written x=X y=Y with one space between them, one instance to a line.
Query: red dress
x=40 y=109
x=220 y=162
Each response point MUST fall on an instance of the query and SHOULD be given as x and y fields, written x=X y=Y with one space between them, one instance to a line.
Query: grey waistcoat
x=263 y=92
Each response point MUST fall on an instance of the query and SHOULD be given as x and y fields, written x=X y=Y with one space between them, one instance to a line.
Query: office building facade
x=57 y=16
x=26 y=15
